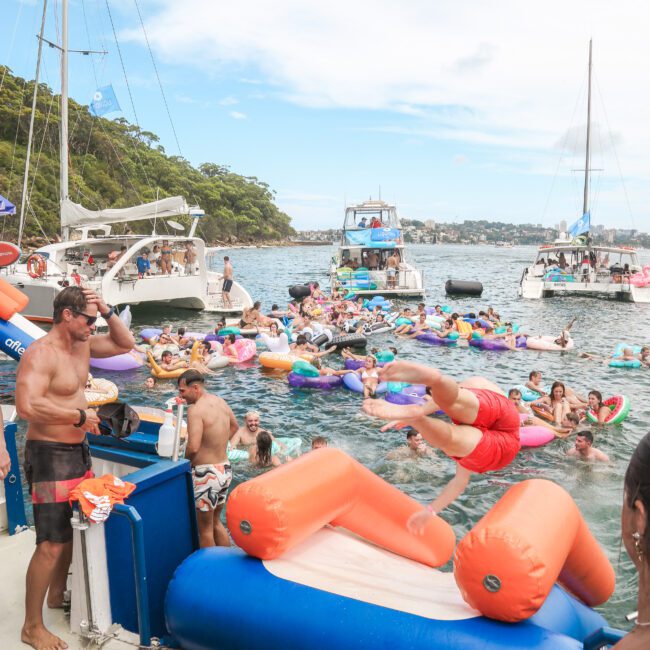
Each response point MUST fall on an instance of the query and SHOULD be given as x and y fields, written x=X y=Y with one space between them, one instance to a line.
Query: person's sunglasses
x=90 y=320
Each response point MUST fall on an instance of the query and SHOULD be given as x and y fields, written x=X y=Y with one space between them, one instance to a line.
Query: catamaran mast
x=30 y=137
x=585 y=201
x=63 y=164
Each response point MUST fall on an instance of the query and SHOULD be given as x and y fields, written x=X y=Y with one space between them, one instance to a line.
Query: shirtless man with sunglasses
x=50 y=382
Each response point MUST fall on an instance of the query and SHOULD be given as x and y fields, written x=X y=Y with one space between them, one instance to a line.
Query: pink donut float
x=535 y=436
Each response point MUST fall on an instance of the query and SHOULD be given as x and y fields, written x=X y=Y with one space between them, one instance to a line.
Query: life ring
x=619 y=406
x=159 y=373
x=36 y=265
x=542 y=413
x=100 y=391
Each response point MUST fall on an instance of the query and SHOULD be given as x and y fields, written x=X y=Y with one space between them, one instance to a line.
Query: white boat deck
x=15 y=554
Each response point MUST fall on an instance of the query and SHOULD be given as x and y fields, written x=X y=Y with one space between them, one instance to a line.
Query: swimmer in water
x=149 y=383
x=570 y=422
x=419 y=327
x=415 y=447
x=483 y=435
x=319 y=442
x=369 y=376
x=584 y=450
x=596 y=406
x=557 y=402
x=261 y=453
x=347 y=354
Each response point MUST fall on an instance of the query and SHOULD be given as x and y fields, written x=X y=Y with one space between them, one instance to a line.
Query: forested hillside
x=116 y=164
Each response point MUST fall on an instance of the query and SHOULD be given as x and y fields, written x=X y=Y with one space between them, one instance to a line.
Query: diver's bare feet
x=407 y=371
x=40 y=638
x=380 y=408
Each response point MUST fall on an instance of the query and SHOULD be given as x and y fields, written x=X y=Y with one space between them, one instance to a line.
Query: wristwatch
x=82 y=418
x=109 y=313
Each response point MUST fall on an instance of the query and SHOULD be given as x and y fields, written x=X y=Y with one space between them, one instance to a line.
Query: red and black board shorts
x=52 y=470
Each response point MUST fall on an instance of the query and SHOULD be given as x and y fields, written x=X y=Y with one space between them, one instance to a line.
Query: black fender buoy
x=299 y=291
x=349 y=341
x=463 y=287
x=323 y=337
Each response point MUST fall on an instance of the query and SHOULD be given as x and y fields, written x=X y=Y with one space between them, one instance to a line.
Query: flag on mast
x=104 y=101
x=581 y=226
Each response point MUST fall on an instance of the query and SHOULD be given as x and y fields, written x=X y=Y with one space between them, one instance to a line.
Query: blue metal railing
x=140 y=570
x=13 y=485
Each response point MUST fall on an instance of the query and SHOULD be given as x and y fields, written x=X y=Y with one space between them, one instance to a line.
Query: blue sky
x=456 y=110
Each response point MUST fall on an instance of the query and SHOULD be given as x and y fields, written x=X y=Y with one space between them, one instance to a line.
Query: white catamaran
x=573 y=266
x=371 y=234
x=106 y=262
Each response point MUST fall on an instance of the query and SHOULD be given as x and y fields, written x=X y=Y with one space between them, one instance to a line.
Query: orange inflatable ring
x=36 y=265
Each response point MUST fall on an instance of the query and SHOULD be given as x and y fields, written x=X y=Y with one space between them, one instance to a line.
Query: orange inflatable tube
x=272 y=513
x=12 y=300
x=534 y=536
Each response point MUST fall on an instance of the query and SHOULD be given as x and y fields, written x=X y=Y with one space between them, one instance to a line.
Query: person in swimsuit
x=246 y=435
x=556 y=403
x=414 y=448
x=419 y=328
x=369 y=376
x=261 y=453
x=227 y=282
x=597 y=407
x=210 y=425
x=584 y=448
x=483 y=435
x=50 y=382
x=189 y=257
x=166 y=259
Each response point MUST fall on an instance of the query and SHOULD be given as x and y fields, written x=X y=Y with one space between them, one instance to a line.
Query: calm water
x=267 y=273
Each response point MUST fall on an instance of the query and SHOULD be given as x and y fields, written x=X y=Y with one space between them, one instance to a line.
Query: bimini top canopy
x=74 y=215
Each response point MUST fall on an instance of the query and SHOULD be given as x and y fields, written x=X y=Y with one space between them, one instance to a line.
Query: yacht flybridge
x=108 y=263
x=371 y=259
x=573 y=266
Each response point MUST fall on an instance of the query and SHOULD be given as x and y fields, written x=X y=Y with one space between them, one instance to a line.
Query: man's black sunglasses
x=90 y=320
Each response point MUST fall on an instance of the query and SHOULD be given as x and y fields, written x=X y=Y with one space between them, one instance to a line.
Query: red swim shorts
x=498 y=420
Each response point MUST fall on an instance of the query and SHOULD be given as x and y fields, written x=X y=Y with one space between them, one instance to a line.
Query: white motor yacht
x=371 y=234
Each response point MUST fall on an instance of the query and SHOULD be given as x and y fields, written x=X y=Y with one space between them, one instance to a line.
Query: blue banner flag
x=6 y=206
x=581 y=226
x=104 y=101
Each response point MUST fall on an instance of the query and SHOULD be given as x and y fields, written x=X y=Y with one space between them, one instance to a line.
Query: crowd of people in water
x=481 y=434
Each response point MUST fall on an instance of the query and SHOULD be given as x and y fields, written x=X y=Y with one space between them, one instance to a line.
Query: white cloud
x=237 y=115
x=228 y=101
x=460 y=159
x=504 y=74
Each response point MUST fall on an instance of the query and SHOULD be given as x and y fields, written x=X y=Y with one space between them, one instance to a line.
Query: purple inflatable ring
x=404 y=399
x=129 y=361
x=434 y=339
x=324 y=382
x=355 y=364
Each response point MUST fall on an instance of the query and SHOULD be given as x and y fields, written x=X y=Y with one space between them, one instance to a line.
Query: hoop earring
x=637 y=545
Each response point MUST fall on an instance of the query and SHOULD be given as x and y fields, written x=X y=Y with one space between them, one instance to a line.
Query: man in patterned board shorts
x=210 y=425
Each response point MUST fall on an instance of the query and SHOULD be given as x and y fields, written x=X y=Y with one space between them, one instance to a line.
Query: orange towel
x=97 y=496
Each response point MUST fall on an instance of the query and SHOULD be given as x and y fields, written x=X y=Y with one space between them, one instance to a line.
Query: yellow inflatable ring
x=101 y=391
x=282 y=361
x=159 y=373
